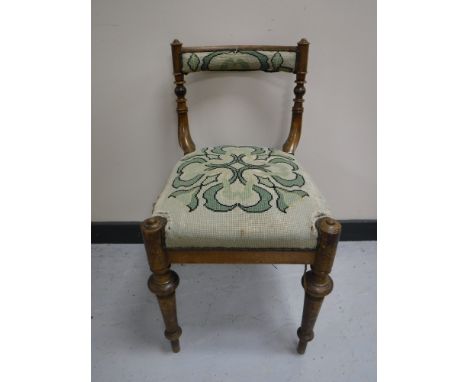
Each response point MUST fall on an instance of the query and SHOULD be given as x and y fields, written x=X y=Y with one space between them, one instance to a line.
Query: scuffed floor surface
x=239 y=321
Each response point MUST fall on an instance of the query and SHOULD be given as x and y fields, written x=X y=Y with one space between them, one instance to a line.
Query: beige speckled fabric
x=240 y=197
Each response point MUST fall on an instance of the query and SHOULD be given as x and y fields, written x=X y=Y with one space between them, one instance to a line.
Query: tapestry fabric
x=223 y=60
x=240 y=196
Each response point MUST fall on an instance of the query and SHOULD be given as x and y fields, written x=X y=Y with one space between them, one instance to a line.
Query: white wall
x=134 y=127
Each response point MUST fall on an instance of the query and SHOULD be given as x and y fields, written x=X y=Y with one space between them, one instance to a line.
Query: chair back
x=266 y=58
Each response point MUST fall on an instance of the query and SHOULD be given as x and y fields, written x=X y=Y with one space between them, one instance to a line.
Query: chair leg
x=317 y=283
x=163 y=281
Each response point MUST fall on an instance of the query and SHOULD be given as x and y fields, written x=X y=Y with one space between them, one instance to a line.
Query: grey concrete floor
x=239 y=321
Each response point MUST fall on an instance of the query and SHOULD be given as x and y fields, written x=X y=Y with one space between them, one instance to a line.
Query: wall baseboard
x=129 y=232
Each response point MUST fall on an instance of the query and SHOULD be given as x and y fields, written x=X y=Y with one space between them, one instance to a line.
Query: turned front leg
x=317 y=283
x=163 y=282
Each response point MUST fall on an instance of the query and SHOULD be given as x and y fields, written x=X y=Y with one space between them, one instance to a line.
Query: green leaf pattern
x=252 y=179
x=239 y=60
x=193 y=62
x=276 y=61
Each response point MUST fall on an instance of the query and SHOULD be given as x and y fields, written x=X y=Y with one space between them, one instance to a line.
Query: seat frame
x=316 y=282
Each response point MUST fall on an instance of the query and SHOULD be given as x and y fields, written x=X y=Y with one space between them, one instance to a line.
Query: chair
x=240 y=204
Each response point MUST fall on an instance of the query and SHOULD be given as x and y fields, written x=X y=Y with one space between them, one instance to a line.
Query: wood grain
x=240 y=256
x=271 y=48
x=299 y=90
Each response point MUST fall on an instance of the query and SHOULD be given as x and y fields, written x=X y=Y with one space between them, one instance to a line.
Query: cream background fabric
x=203 y=227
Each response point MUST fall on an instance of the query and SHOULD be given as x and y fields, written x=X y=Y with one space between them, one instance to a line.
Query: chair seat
x=240 y=197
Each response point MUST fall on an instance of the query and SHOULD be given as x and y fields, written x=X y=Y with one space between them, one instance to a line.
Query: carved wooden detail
x=163 y=281
x=317 y=283
x=185 y=140
x=299 y=90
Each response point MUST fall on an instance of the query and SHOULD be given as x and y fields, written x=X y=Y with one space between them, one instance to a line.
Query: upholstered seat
x=240 y=196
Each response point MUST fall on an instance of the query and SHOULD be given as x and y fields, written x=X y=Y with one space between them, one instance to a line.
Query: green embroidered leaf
x=216 y=157
x=194 y=155
x=263 y=204
x=188 y=197
x=210 y=179
x=265 y=181
x=262 y=59
x=286 y=198
x=207 y=59
x=212 y=203
x=257 y=150
x=283 y=155
x=179 y=182
x=233 y=63
x=276 y=61
x=297 y=181
x=254 y=177
x=281 y=159
x=218 y=150
x=239 y=173
x=233 y=60
x=194 y=159
x=193 y=62
x=263 y=155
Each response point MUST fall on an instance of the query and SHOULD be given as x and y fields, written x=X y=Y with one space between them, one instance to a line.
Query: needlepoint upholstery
x=240 y=196
x=224 y=60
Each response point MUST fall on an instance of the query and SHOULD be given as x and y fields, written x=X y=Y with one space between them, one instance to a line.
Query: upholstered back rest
x=239 y=60
x=265 y=58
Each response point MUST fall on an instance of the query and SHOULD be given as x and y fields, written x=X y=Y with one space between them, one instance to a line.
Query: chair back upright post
x=299 y=90
x=183 y=132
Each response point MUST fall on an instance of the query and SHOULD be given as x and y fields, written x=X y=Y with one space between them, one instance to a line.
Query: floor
x=239 y=321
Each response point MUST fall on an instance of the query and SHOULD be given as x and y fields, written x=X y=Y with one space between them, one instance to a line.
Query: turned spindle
x=163 y=281
x=317 y=282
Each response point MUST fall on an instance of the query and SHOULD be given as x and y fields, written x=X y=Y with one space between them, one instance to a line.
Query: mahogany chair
x=240 y=204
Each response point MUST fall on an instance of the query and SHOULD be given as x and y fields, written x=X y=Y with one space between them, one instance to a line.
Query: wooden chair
x=240 y=205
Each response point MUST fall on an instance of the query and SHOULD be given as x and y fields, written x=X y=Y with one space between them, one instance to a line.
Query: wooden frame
x=273 y=48
x=240 y=256
x=316 y=282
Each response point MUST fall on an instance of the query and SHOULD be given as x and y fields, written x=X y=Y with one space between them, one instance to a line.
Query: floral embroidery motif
x=245 y=177
x=225 y=60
